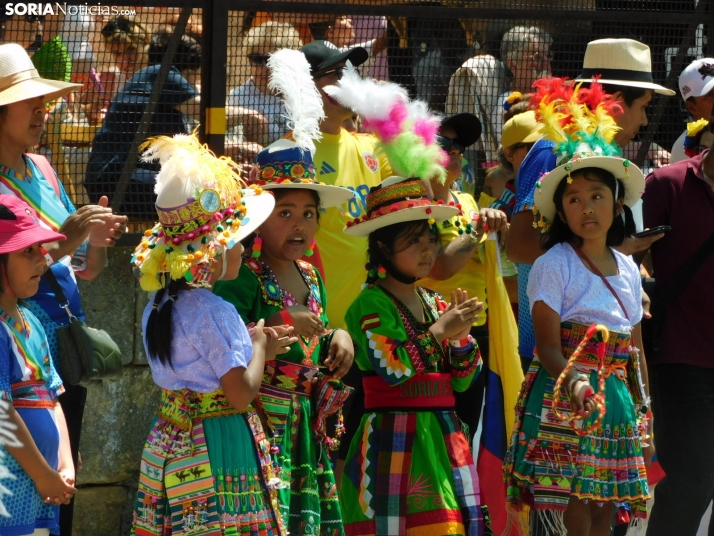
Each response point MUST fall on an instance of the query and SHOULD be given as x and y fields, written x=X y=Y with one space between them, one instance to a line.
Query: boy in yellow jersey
x=346 y=159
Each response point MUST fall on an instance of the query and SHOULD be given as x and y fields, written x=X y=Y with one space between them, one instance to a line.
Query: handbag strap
x=683 y=276
x=604 y=279
x=59 y=294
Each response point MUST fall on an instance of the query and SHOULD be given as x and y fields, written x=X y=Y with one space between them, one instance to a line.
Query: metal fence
x=164 y=69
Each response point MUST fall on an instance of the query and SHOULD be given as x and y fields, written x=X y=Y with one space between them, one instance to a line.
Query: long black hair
x=380 y=247
x=158 y=334
x=623 y=224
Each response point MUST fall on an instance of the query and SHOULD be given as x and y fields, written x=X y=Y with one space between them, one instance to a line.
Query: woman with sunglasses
x=258 y=44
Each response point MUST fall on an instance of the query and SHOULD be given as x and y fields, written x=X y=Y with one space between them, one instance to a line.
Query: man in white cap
x=624 y=67
x=696 y=85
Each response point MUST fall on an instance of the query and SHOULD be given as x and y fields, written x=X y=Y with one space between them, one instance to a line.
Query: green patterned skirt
x=206 y=470
x=308 y=502
x=548 y=462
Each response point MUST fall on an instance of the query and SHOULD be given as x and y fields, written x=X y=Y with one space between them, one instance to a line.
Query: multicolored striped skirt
x=547 y=462
x=206 y=470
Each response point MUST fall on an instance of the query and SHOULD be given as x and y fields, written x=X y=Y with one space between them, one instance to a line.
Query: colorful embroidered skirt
x=547 y=462
x=205 y=471
x=309 y=505
x=411 y=473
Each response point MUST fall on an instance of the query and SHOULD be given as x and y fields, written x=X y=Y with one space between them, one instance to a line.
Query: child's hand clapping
x=305 y=322
x=274 y=339
x=455 y=322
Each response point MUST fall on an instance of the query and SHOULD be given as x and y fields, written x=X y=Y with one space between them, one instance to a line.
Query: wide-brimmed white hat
x=284 y=165
x=396 y=200
x=631 y=176
x=19 y=80
x=624 y=62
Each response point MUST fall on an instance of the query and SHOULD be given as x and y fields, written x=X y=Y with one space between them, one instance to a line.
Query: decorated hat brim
x=330 y=196
x=259 y=207
x=633 y=83
x=630 y=175
x=438 y=212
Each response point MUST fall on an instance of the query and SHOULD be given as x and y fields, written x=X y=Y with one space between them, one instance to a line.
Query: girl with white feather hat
x=206 y=467
x=302 y=388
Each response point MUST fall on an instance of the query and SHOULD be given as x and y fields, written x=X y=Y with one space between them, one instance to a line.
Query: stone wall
x=119 y=414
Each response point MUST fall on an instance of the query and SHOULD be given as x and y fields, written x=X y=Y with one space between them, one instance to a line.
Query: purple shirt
x=677 y=195
x=209 y=339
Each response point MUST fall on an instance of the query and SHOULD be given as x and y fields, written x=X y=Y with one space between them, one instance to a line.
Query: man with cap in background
x=696 y=85
x=346 y=159
x=625 y=70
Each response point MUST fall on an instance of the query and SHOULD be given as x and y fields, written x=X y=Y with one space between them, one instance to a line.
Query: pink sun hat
x=20 y=227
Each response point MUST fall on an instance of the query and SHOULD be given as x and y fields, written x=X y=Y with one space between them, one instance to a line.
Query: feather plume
x=290 y=77
x=370 y=99
x=191 y=166
x=406 y=129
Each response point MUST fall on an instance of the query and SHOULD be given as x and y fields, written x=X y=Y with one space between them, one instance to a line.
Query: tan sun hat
x=624 y=62
x=19 y=80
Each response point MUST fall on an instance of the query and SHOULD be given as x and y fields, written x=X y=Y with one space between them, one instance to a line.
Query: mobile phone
x=653 y=231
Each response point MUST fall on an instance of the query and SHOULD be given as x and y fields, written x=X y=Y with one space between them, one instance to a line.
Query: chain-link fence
x=167 y=70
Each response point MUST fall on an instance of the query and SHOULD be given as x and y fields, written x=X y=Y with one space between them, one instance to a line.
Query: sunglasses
x=258 y=60
x=447 y=144
x=337 y=71
x=119 y=24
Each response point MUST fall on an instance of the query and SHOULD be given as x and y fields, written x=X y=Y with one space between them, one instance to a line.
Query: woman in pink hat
x=40 y=459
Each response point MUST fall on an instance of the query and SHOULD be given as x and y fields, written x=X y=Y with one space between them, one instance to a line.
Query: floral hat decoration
x=288 y=163
x=698 y=138
x=580 y=122
x=407 y=133
x=203 y=211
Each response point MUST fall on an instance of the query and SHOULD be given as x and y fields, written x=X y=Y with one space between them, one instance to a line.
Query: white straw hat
x=19 y=80
x=624 y=62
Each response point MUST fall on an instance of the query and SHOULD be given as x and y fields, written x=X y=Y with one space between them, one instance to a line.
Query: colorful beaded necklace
x=21 y=327
x=8 y=172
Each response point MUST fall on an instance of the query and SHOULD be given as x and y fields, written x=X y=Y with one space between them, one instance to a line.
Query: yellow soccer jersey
x=349 y=160
x=471 y=277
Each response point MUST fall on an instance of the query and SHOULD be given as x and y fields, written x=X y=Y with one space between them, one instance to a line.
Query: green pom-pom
x=219 y=228
x=155 y=232
x=151 y=245
x=190 y=248
x=309 y=253
x=460 y=231
x=538 y=184
x=204 y=240
x=255 y=254
x=169 y=249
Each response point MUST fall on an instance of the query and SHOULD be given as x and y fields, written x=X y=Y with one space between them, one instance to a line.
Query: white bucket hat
x=19 y=80
x=624 y=62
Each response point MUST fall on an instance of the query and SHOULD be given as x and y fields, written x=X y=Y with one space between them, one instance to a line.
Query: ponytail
x=159 y=333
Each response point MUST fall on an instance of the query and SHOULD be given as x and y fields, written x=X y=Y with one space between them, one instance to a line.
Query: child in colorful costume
x=40 y=471
x=206 y=467
x=409 y=468
x=576 y=453
x=275 y=284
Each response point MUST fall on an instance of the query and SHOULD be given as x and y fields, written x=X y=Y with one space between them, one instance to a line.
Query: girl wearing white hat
x=580 y=441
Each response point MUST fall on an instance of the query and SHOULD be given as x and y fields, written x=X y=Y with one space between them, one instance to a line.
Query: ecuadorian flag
x=503 y=382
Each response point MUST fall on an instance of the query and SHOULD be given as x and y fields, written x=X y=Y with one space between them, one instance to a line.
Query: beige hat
x=19 y=80
x=521 y=128
x=624 y=62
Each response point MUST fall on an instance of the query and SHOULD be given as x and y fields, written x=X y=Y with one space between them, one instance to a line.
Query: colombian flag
x=503 y=381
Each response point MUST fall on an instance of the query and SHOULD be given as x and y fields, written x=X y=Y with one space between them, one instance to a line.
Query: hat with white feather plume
x=203 y=210
x=288 y=163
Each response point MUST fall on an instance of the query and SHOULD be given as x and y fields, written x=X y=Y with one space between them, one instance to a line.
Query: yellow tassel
x=149 y=283
x=152 y=264
x=177 y=264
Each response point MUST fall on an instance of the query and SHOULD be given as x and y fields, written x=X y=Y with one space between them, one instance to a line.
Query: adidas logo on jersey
x=326 y=168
